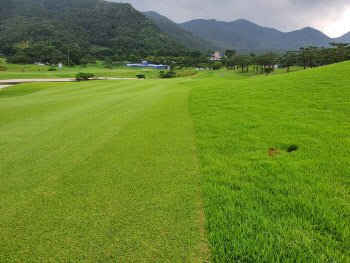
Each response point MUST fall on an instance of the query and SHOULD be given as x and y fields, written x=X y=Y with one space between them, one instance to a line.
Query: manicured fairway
x=107 y=171
x=99 y=172
x=288 y=207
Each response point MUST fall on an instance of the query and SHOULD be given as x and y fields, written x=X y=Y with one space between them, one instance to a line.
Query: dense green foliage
x=83 y=24
x=180 y=34
x=84 y=76
x=274 y=160
x=306 y=56
x=141 y=76
x=167 y=74
x=268 y=70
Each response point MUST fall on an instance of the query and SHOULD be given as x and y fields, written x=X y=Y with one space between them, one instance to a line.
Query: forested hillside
x=81 y=22
x=180 y=34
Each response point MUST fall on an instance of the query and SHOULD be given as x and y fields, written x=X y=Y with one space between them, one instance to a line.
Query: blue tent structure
x=145 y=64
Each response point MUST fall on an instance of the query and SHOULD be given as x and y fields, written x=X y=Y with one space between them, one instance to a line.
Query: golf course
x=220 y=166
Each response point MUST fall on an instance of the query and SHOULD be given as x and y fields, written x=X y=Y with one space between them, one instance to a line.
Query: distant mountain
x=180 y=34
x=85 y=23
x=343 y=39
x=242 y=34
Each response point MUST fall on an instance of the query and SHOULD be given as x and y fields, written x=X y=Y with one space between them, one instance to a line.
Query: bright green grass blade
x=292 y=207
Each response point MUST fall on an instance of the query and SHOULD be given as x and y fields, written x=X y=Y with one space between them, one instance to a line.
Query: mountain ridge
x=179 y=33
x=244 y=34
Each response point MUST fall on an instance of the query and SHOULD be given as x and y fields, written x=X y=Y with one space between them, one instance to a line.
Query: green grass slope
x=99 y=172
x=32 y=71
x=289 y=207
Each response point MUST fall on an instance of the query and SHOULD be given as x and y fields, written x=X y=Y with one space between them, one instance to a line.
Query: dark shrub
x=141 y=76
x=268 y=70
x=69 y=63
x=169 y=74
x=84 y=76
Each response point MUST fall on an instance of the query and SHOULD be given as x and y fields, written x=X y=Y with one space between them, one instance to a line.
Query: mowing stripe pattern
x=98 y=172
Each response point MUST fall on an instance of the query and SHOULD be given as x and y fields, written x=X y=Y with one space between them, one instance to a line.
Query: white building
x=216 y=57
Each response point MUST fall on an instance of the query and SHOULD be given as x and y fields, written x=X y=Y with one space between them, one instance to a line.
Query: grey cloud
x=285 y=15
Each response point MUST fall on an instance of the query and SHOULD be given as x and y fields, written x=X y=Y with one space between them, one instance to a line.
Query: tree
x=56 y=56
x=289 y=58
x=169 y=74
x=230 y=53
x=244 y=61
x=20 y=59
x=302 y=54
x=311 y=55
x=84 y=76
x=342 y=51
x=272 y=59
x=88 y=59
x=141 y=76
x=268 y=70
x=230 y=63
x=108 y=61
x=217 y=65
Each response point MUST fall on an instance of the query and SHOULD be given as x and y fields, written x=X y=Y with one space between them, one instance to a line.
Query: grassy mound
x=274 y=160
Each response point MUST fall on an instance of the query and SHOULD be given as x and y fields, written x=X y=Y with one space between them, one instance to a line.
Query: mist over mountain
x=97 y=23
x=343 y=39
x=243 y=34
x=179 y=33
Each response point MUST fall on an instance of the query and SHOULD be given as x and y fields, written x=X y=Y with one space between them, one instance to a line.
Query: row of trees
x=56 y=51
x=306 y=56
x=53 y=52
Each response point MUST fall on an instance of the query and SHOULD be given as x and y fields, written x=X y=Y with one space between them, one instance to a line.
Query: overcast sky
x=332 y=17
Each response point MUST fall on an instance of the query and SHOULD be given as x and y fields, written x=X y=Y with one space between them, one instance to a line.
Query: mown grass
x=15 y=71
x=99 y=172
x=31 y=71
x=106 y=171
x=21 y=90
x=289 y=207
